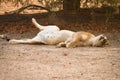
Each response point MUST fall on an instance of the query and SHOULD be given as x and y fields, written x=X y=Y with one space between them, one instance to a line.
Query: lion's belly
x=54 y=37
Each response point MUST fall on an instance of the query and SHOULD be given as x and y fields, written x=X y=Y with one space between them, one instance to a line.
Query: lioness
x=52 y=35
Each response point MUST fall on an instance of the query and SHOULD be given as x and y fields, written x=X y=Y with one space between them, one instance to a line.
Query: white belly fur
x=53 y=37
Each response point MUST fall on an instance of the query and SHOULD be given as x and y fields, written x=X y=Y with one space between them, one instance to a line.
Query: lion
x=52 y=35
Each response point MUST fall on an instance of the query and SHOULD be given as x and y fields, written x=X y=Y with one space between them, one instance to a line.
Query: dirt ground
x=46 y=62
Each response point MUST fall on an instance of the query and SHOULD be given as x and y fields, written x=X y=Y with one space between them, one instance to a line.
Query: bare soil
x=46 y=62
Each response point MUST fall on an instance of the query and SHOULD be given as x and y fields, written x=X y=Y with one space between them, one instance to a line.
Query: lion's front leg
x=77 y=42
x=72 y=43
x=62 y=44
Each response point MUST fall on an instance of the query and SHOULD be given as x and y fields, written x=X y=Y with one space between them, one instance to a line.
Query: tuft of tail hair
x=5 y=37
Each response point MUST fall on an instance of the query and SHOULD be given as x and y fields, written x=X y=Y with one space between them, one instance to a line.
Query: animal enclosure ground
x=46 y=62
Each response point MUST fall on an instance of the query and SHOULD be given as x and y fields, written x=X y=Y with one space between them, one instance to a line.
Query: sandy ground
x=46 y=62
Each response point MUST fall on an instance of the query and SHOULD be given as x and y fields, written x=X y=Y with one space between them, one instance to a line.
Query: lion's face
x=100 y=41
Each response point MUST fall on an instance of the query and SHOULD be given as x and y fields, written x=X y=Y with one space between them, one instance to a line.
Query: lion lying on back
x=52 y=35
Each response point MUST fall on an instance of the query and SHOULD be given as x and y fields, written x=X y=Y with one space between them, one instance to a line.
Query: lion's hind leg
x=23 y=41
x=40 y=27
